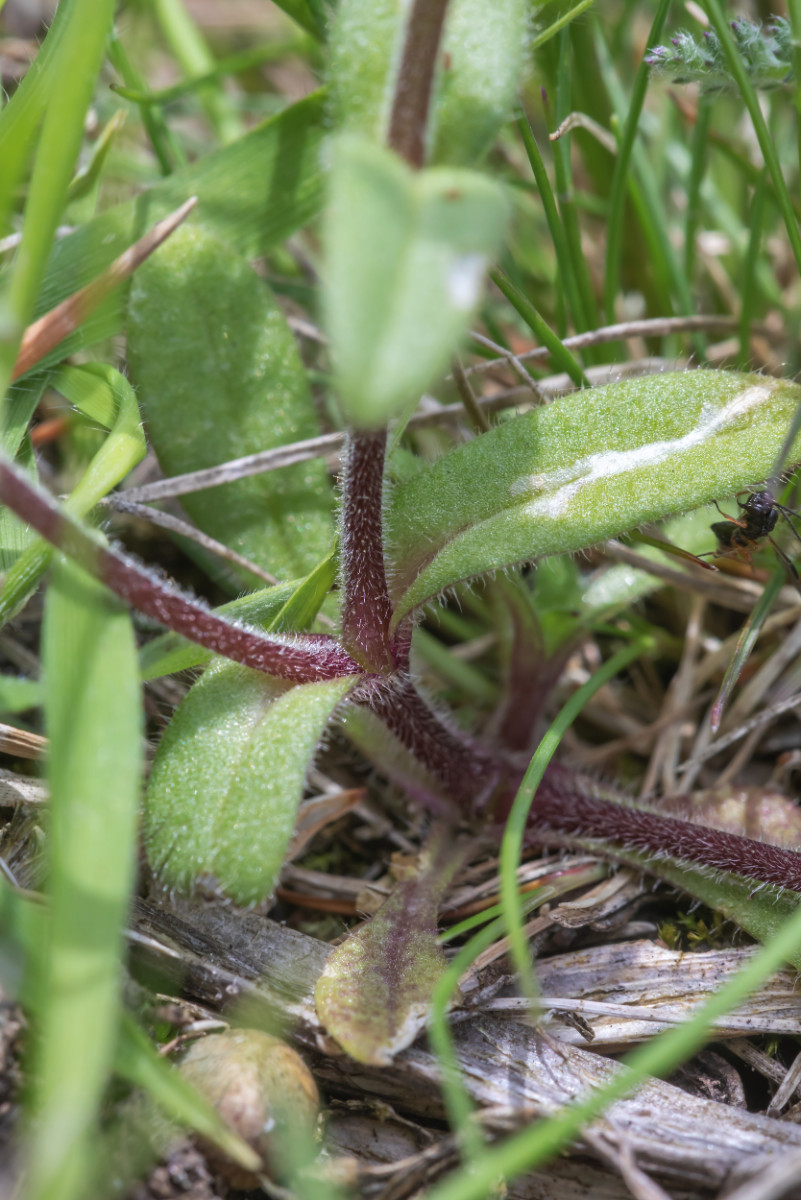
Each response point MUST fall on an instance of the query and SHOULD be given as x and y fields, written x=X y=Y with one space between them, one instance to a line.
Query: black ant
x=740 y=536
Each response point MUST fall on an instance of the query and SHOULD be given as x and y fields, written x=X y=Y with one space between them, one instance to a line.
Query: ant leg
x=788 y=565
x=734 y=520
x=787 y=513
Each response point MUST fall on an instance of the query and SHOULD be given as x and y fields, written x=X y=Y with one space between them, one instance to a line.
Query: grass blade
x=93 y=717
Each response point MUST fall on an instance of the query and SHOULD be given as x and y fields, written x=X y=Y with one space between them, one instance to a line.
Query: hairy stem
x=570 y=806
x=366 y=608
x=301 y=660
x=467 y=773
x=407 y=125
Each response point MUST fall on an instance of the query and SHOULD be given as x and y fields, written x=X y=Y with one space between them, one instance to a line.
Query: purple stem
x=564 y=804
x=412 y=98
x=301 y=660
x=467 y=774
x=366 y=608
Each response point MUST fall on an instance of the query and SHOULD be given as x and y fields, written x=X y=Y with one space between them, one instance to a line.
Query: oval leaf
x=228 y=777
x=406 y=255
x=245 y=195
x=582 y=470
x=375 y=991
x=219 y=376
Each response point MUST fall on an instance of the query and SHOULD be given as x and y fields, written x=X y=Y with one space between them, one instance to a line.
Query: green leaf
x=484 y=47
x=375 y=990
x=582 y=470
x=105 y=396
x=304 y=14
x=406 y=255
x=761 y=911
x=93 y=719
x=228 y=777
x=219 y=376
x=247 y=194
x=364 y=46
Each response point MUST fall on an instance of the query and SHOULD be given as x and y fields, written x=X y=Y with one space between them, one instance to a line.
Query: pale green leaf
x=406 y=256
x=219 y=376
x=484 y=47
x=581 y=470
x=228 y=777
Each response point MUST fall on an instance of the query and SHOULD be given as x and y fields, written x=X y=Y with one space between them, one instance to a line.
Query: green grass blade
x=746 y=642
x=534 y=1145
x=749 y=287
x=93 y=718
x=564 y=261
x=617 y=192
x=698 y=164
x=80 y=54
x=166 y=148
x=192 y=52
x=562 y=358
x=458 y=1103
x=512 y=843
x=20 y=117
x=545 y=35
x=586 y=316
x=102 y=393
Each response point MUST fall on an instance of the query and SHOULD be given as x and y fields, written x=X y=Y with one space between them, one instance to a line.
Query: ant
x=740 y=536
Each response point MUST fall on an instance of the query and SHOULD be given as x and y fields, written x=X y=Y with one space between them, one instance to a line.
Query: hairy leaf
x=582 y=470
x=375 y=991
x=219 y=376
x=253 y=193
x=228 y=777
x=483 y=55
x=407 y=252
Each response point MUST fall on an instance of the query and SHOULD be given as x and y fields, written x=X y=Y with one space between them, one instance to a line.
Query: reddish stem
x=565 y=804
x=301 y=660
x=467 y=774
x=407 y=126
x=366 y=608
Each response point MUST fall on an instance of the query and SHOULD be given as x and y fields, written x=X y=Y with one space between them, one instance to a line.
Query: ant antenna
x=774 y=483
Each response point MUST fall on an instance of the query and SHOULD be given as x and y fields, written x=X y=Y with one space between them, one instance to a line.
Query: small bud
x=262 y=1088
